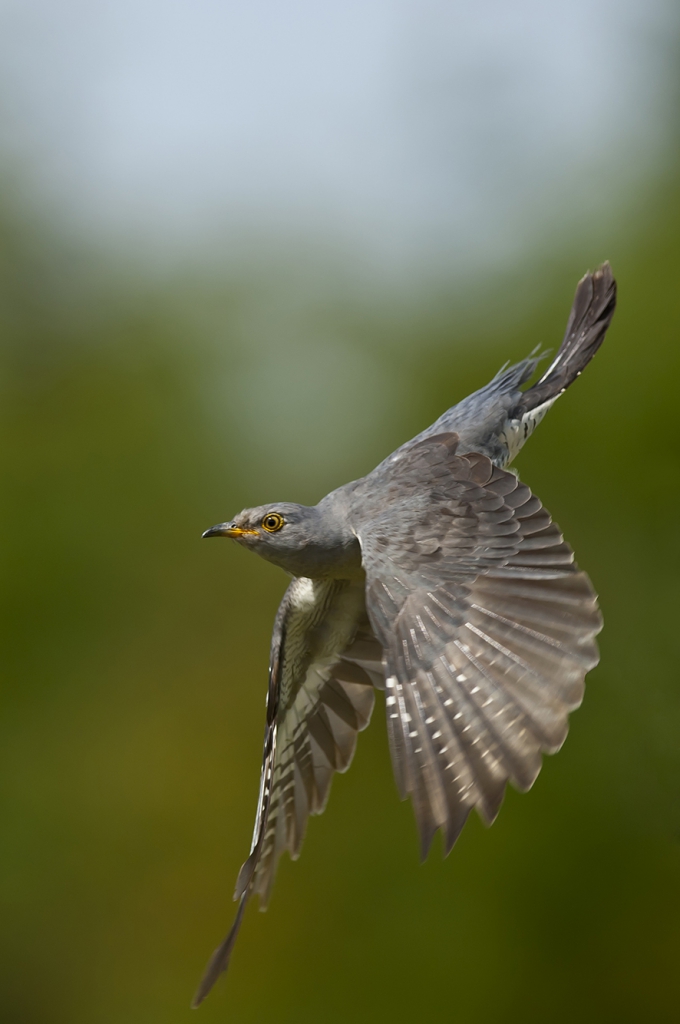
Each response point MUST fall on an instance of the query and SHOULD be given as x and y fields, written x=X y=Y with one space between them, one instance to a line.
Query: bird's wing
x=324 y=665
x=487 y=627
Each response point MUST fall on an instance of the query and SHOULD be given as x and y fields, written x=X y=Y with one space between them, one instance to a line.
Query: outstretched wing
x=487 y=626
x=328 y=663
x=324 y=664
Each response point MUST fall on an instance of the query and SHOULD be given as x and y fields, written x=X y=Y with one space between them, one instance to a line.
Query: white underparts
x=516 y=432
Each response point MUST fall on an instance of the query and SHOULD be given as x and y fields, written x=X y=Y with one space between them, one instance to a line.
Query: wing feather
x=487 y=625
x=324 y=664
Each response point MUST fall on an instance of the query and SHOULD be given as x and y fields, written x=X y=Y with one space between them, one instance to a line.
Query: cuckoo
x=442 y=580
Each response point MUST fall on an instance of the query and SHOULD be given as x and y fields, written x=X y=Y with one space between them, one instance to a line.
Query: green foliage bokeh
x=135 y=668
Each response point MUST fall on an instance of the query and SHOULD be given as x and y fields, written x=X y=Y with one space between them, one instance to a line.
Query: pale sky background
x=400 y=143
x=411 y=132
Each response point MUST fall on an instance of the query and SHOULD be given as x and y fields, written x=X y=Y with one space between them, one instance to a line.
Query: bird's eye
x=272 y=522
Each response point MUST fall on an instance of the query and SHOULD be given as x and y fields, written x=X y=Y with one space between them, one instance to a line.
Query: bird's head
x=299 y=538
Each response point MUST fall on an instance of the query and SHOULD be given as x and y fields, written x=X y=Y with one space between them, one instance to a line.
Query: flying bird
x=440 y=579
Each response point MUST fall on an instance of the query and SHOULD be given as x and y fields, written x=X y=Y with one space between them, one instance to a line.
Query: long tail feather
x=591 y=313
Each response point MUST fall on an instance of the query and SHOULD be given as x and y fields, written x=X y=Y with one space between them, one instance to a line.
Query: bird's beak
x=228 y=530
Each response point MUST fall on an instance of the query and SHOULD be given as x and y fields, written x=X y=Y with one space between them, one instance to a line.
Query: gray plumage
x=441 y=579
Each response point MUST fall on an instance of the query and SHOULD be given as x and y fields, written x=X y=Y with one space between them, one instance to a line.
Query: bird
x=440 y=579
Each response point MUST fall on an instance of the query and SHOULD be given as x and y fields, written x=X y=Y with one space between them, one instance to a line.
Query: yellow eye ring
x=272 y=522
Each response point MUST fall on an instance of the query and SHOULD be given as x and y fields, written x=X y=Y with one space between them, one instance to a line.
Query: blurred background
x=245 y=251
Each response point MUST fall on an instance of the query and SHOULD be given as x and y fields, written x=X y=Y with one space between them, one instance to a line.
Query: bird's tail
x=591 y=314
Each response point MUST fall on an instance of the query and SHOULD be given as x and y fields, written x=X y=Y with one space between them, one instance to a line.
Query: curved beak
x=228 y=530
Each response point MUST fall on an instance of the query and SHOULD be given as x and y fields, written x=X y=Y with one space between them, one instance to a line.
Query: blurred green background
x=140 y=406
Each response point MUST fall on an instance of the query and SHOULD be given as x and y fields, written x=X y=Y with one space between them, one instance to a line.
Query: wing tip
x=219 y=961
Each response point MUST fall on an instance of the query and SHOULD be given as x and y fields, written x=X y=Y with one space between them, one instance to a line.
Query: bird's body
x=440 y=579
